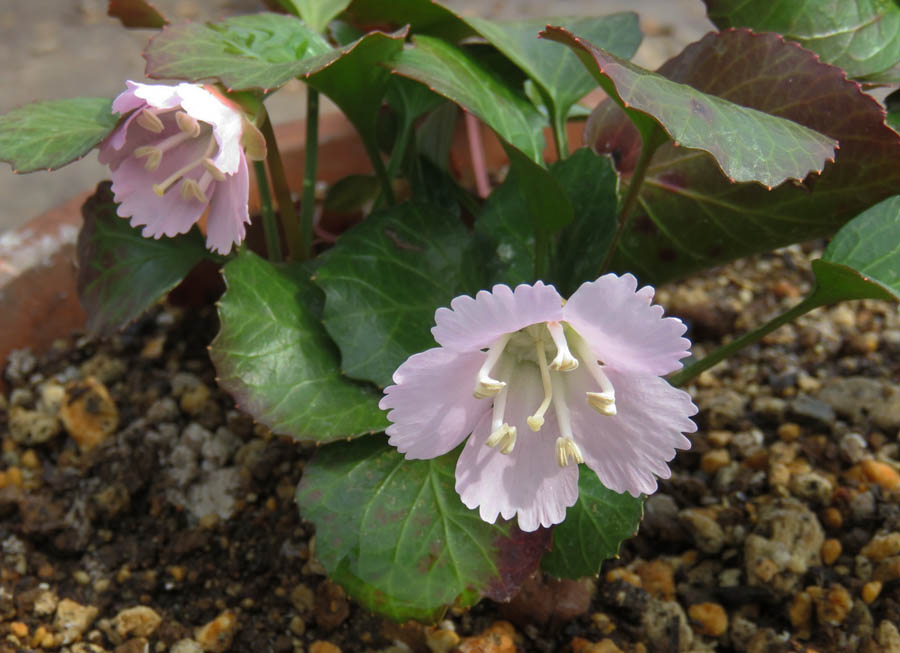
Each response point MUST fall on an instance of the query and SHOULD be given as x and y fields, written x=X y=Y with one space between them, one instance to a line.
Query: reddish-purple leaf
x=691 y=217
x=136 y=14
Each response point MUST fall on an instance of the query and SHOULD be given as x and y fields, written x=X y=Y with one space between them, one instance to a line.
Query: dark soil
x=778 y=531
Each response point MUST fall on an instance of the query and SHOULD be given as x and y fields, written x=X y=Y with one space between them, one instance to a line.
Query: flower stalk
x=289 y=223
x=270 y=222
x=310 y=165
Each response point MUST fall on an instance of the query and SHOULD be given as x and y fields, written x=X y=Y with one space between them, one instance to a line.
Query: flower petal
x=431 y=404
x=471 y=324
x=228 y=211
x=227 y=123
x=528 y=482
x=159 y=96
x=622 y=327
x=628 y=450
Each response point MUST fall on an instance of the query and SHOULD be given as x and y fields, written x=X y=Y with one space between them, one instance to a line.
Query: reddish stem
x=476 y=150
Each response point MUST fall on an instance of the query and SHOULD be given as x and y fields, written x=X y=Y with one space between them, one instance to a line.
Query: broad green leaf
x=354 y=78
x=422 y=16
x=273 y=355
x=506 y=234
x=48 y=135
x=545 y=197
x=256 y=51
x=121 y=273
x=136 y=14
x=593 y=529
x=860 y=36
x=395 y=534
x=450 y=71
x=384 y=280
x=748 y=144
x=556 y=69
x=690 y=216
x=316 y=13
x=863 y=259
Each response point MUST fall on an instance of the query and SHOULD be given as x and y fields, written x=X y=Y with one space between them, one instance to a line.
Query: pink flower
x=180 y=152
x=541 y=383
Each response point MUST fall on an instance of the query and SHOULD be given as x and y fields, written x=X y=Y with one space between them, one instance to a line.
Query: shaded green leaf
x=48 y=135
x=384 y=280
x=690 y=217
x=136 y=14
x=273 y=355
x=748 y=144
x=450 y=71
x=395 y=534
x=593 y=529
x=256 y=51
x=863 y=259
x=423 y=17
x=555 y=68
x=316 y=13
x=112 y=255
x=860 y=36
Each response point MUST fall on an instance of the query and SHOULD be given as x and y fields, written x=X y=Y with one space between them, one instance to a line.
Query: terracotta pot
x=38 y=298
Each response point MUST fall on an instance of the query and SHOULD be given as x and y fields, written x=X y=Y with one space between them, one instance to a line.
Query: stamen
x=503 y=438
x=150 y=121
x=211 y=168
x=153 y=154
x=188 y=124
x=161 y=188
x=604 y=402
x=486 y=386
x=502 y=435
x=565 y=444
x=191 y=189
x=564 y=361
x=536 y=421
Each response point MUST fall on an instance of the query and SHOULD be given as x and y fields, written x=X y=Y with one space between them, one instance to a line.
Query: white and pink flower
x=541 y=383
x=182 y=150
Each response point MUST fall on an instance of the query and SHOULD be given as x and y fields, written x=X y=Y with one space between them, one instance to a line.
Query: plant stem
x=476 y=152
x=631 y=197
x=400 y=146
x=560 y=136
x=270 y=223
x=683 y=376
x=289 y=223
x=310 y=164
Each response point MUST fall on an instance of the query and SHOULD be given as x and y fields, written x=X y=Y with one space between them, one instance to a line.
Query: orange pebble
x=880 y=473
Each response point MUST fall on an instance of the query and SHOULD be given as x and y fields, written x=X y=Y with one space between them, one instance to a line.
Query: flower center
x=189 y=129
x=536 y=344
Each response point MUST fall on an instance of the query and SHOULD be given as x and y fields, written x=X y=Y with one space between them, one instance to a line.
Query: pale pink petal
x=226 y=122
x=471 y=324
x=623 y=329
x=158 y=96
x=431 y=405
x=228 y=212
x=128 y=100
x=528 y=482
x=129 y=136
x=630 y=449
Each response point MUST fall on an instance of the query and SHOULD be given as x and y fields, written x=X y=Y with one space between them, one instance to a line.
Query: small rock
x=701 y=523
x=331 y=605
x=789 y=431
x=136 y=645
x=812 y=410
x=664 y=624
x=715 y=459
x=45 y=603
x=162 y=410
x=832 y=605
x=303 y=599
x=658 y=579
x=882 y=546
x=709 y=619
x=194 y=399
x=831 y=551
x=812 y=486
x=320 y=646
x=139 y=621
x=441 y=640
x=661 y=518
x=853 y=447
x=800 y=612
x=73 y=619
x=887 y=570
x=104 y=368
x=747 y=443
x=862 y=507
x=881 y=473
x=220 y=447
x=862 y=398
x=30 y=427
x=581 y=645
x=871 y=590
x=88 y=412
x=500 y=637
x=186 y=646
x=215 y=636
x=742 y=632
x=215 y=494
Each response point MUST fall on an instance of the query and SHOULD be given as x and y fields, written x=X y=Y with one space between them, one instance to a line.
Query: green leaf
x=113 y=255
x=422 y=16
x=354 y=79
x=690 y=216
x=860 y=36
x=256 y=51
x=48 y=135
x=384 y=280
x=545 y=197
x=273 y=355
x=316 y=13
x=448 y=70
x=136 y=14
x=863 y=259
x=555 y=68
x=506 y=233
x=395 y=534
x=748 y=144
x=593 y=529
